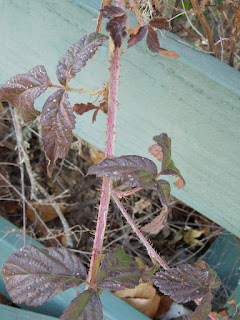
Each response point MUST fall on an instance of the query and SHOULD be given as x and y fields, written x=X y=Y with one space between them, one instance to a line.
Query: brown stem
x=200 y=13
x=234 y=35
x=109 y=152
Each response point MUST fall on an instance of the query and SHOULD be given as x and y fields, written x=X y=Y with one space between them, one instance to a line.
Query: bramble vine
x=34 y=275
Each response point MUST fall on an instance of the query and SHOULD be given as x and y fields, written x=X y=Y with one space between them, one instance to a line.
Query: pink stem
x=152 y=253
x=109 y=152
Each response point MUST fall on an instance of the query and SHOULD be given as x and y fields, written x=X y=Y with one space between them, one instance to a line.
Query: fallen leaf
x=45 y=211
x=141 y=205
x=143 y=298
x=155 y=226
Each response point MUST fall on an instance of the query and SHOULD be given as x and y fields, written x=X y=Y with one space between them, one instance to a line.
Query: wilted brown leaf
x=143 y=298
x=152 y=40
x=160 y=23
x=170 y=54
x=45 y=211
x=156 y=151
x=155 y=226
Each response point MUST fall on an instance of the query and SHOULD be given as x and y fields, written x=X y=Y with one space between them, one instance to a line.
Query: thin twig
x=200 y=13
x=35 y=186
x=18 y=131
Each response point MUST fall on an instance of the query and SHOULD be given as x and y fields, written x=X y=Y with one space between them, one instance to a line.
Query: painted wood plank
x=113 y=307
x=11 y=313
x=195 y=99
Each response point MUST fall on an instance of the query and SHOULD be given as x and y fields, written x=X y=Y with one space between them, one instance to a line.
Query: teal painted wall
x=195 y=99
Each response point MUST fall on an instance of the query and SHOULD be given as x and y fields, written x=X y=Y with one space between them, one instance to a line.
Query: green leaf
x=164 y=142
x=86 y=306
x=174 y=171
x=163 y=189
x=118 y=271
x=34 y=275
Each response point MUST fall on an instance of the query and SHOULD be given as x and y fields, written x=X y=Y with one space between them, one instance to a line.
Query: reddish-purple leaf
x=152 y=40
x=111 y=11
x=57 y=123
x=135 y=38
x=77 y=55
x=34 y=275
x=118 y=271
x=81 y=108
x=159 y=23
x=133 y=170
x=203 y=309
x=183 y=283
x=23 y=89
x=117 y=28
x=86 y=306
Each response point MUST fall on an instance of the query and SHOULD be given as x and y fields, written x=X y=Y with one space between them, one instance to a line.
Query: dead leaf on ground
x=141 y=205
x=143 y=298
x=45 y=211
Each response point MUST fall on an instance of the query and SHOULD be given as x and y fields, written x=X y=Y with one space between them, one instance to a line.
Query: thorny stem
x=109 y=152
x=152 y=253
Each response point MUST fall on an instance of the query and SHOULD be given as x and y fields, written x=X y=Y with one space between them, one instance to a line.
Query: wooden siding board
x=113 y=307
x=11 y=313
x=195 y=99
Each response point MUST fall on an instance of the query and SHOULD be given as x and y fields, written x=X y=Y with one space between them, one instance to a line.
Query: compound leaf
x=86 y=305
x=159 y=23
x=77 y=55
x=152 y=40
x=118 y=271
x=111 y=11
x=23 y=89
x=34 y=275
x=133 y=170
x=57 y=123
x=183 y=283
x=135 y=38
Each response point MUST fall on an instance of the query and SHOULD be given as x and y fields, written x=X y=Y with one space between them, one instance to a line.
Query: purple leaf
x=23 y=89
x=57 y=123
x=159 y=23
x=203 y=309
x=118 y=271
x=34 y=275
x=81 y=108
x=133 y=170
x=86 y=306
x=152 y=40
x=77 y=55
x=183 y=283
x=117 y=28
x=110 y=11
x=135 y=38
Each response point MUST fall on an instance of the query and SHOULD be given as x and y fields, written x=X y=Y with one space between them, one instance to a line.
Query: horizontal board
x=195 y=99
x=11 y=239
x=11 y=313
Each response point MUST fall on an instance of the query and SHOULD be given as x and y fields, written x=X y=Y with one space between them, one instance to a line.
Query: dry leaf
x=45 y=211
x=155 y=226
x=191 y=236
x=141 y=205
x=143 y=298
